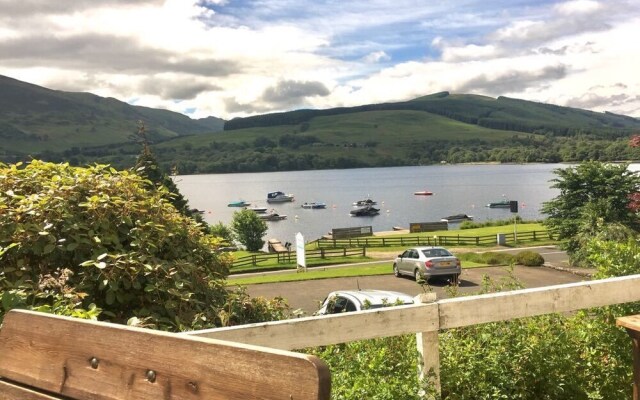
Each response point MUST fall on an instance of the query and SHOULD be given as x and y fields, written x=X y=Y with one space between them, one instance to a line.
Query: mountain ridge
x=440 y=127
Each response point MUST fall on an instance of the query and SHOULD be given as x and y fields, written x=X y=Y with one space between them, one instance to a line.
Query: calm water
x=457 y=189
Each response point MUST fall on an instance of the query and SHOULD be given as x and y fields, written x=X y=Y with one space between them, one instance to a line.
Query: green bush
x=79 y=240
x=488 y=258
x=249 y=229
x=529 y=258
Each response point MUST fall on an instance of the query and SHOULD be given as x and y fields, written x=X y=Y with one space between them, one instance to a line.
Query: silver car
x=427 y=262
x=358 y=300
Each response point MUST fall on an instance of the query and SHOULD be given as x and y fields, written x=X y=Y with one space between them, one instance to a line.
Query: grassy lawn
x=381 y=268
x=289 y=263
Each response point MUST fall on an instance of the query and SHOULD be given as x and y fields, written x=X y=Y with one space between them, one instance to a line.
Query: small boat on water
x=272 y=217
x=365 y=202
x=457 y=218
x=279 y=197
x=423 y=193
x=240 y=203
x=366 y=211
x=314 y=205
x=259 y=210
x=500 y=204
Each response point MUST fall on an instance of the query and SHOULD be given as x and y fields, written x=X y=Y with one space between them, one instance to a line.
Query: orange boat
x=423 y=193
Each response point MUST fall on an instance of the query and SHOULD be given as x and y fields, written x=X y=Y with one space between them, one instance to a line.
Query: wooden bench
x=632 y=325
x=43 y=356
x=276 y=246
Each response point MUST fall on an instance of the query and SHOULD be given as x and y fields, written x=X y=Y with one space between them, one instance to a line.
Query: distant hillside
x=34 y=118
x=502 y=113
x=82 y=128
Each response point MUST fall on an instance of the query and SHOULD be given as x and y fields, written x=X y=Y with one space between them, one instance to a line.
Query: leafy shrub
x=529 y=258
x=489 y=258
x=497 y=222
x=377 y=369
x=249 y=229
x=73 y=240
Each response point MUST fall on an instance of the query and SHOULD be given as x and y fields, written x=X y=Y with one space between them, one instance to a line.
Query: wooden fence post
x=429 y=349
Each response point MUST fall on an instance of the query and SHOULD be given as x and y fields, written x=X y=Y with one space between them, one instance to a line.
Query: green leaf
x=111 y=297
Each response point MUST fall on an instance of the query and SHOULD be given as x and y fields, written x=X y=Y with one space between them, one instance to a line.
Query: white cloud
x=376 y=57
x=578 y=6
x=230 y=59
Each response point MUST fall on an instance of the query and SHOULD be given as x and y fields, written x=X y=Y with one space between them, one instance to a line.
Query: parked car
x=358 y=300
x=427 y=262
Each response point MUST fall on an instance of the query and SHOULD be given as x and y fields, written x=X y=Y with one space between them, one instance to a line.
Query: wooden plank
x=93 y=360
x=10 y=391
x=417 y=227
x=632 y=325
x=504 y=306
x=456 y=312
x=353 y=232
x=331 y=329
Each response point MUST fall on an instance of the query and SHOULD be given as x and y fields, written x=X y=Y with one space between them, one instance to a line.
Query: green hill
x=440 y=128
x=33 y=119
x=501 y=113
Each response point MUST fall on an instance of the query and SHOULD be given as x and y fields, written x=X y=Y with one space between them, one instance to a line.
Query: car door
x=404 y=263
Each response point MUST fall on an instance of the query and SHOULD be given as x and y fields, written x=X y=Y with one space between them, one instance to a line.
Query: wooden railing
x=290 y=257
x=427 y=319
x=50 y=357
x=440 y=240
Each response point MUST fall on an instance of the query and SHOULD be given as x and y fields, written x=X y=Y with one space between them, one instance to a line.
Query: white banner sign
x=300 y=258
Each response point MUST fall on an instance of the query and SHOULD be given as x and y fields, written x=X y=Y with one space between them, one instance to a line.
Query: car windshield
x=436 y=253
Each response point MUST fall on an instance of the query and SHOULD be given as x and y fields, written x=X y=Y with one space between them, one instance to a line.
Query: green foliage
x=378 y=369
x=223 y=231
x=592 y=195
x=529 y=258
x=249 y=229
x=147 y=167
x=488 y=258
x=79 y=240
x=240 y=309
x=494 y=222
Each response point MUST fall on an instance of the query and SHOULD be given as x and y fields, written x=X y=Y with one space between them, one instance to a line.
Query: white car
x=358 y=300
x=427 y=262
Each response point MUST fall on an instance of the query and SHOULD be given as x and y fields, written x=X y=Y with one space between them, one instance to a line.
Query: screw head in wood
x=151 y=376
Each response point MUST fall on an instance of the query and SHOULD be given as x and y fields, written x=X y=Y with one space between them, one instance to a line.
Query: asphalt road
x=307 y=295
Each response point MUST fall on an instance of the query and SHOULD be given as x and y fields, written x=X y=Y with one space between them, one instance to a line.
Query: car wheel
x=417 y=275
x=395 y=271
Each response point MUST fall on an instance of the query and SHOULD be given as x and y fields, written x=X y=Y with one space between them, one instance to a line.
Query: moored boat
x=240 y=203
x=259 y=210
x=365 y=202
x=272 y=217
x=365 y=211
x=500 y=204
x=279 y=197
x=457 y=218
x=313 y=205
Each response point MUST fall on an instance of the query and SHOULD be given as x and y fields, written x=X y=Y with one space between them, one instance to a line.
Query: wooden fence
x=427 y=319
x=290 y=257
x=442 y=240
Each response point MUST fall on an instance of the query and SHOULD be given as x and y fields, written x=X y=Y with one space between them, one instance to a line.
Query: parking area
x=307 y=295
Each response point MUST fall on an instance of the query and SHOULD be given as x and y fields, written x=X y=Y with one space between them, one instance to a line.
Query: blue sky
x=231 y=58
